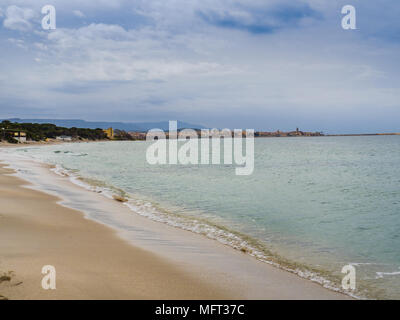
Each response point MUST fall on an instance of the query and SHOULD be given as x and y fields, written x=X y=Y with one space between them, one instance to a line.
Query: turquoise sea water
x=312 y=203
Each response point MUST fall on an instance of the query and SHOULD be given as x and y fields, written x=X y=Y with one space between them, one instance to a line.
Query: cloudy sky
x=262 y=64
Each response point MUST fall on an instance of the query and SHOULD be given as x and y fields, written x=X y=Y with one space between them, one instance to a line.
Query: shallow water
x=321 y=202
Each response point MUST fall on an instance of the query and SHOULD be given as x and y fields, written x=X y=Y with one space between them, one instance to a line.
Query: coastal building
x=64 y=138
x=20 y=136
x=109 y=132
x=137 y=135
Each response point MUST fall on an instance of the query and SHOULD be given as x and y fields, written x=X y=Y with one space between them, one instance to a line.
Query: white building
x=64 y=138
x=20 y=136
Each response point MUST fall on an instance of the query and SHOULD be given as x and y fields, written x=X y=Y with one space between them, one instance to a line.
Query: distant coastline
x=47 y=133
x=363 y=134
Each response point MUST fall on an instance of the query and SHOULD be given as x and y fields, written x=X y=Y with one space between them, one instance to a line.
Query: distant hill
x=126 y=126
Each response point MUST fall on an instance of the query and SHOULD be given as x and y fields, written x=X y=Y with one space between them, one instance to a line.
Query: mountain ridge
x=126 y=126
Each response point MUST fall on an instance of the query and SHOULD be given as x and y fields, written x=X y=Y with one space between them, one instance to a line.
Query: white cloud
x=78 y=13
x=19 y=18
x=111 y=53
x=18 y=42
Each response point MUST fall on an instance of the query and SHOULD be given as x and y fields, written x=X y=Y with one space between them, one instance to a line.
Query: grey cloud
x=260 y=20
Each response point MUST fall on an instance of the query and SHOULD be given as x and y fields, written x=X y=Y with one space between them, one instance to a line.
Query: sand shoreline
x=91 y=262
x=94 y=263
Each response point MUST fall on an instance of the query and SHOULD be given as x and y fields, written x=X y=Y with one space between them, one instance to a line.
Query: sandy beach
x=91 y=262
x=94 y=261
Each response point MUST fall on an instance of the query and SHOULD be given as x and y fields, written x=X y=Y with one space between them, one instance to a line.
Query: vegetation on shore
x=122 y=135
x=41 y=132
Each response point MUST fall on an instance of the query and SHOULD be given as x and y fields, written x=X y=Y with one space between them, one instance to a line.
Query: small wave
x=380 y=275
x=89 y=183
x=366 y=264
x=79 y=154
x=70 y=153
